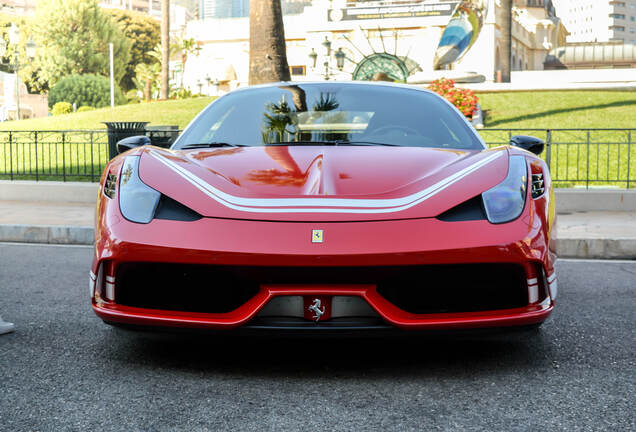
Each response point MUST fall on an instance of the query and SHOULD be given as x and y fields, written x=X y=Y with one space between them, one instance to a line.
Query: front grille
x=457 y=288
x=176 y=287
x=415 y=289
x=110 y=185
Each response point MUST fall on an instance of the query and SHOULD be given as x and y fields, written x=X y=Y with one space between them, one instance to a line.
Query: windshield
x=336 y=114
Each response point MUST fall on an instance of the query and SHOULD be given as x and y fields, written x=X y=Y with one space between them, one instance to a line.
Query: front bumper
x=415 y=242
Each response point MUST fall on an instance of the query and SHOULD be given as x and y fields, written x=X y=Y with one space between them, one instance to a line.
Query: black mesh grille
x=537 y=185
x=457 y=288
x=191 y=288
x=110 y=185
x=415 y=289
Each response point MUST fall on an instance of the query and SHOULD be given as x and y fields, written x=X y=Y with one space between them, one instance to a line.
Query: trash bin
x=162 y=136
x=120 y=130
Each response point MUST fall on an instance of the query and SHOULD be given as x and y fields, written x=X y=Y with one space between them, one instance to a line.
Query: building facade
x=210 y=9
x=599 y=20
x=399 y=36
x=179 y=15
x=18 y=7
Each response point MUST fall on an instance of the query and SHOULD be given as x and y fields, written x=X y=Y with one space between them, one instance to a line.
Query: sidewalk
x=593 y=234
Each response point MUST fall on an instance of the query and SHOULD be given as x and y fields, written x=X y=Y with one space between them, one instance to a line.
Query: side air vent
x=110 y=185
x=470 y=210
x=169 y=209
x=537 y=185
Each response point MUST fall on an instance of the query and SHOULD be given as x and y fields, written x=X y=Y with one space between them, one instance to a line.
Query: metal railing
x=577 y=157
x=66 y=155
x=581 y=157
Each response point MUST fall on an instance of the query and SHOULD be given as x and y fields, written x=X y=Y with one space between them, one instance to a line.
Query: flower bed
x=464 y=99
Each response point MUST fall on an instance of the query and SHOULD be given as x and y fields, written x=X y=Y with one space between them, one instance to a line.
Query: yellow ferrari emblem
x=316 y=236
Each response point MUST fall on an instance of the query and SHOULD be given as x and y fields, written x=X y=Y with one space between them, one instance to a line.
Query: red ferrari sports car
x=325 y=206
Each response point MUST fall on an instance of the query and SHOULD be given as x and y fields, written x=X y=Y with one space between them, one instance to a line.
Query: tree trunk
x=184 y=58
x=506 y=39
x=148 y=90
x=165 y=48
x=268 y=53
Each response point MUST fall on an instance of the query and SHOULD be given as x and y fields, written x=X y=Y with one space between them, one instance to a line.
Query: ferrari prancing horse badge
x=316 y=236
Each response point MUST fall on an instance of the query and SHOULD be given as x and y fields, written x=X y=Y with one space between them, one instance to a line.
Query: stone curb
x=593 y=248
x=590 y=248
x=49 y=234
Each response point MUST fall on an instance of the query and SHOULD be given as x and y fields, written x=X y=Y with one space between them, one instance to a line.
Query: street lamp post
x=339 y=56
x=14 y=39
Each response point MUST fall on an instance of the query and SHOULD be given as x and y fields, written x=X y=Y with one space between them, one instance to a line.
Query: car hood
x=322 y=183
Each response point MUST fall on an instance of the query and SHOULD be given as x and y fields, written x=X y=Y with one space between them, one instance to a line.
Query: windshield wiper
x=210 y=144
x=367 y=143
x=333 y=143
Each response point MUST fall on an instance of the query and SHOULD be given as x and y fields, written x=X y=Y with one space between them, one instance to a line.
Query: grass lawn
x=551 y=109
x=600 y=156
x=173 y=112
x=560 y=109
x=603 y=157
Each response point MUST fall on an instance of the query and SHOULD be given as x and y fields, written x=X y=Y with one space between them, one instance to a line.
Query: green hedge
x=61 y=108
x=84 y=90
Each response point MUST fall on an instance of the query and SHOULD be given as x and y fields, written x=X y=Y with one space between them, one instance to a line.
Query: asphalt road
x=63 y=369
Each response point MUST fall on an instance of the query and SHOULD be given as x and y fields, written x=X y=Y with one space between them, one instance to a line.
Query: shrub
x=74 y=37
x=143 y=33
x=85 y=108
x=62 y=108
x=464 y=99
x=132 y=96
x=181 y=93
x=81 y=90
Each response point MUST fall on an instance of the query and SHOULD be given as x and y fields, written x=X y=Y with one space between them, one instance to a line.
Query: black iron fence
x=581 y=157
x=71 y=155
x=577 y=157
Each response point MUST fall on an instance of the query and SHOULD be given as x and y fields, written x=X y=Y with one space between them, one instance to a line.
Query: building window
x=617 y=28
x=617 y=16
x=297 y=70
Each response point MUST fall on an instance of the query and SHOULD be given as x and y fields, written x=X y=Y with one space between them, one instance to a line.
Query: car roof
x=331 y=84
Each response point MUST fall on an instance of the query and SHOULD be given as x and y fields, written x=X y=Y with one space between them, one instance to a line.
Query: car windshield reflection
x=330 y=114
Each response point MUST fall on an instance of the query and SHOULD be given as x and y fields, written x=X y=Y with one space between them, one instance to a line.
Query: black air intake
x=110 y=185
x=537 y=185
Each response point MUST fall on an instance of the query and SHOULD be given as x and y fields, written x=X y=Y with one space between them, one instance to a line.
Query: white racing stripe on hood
x=320 y=205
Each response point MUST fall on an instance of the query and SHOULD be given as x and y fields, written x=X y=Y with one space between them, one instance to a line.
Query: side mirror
x=132 y=142
x=530 y=143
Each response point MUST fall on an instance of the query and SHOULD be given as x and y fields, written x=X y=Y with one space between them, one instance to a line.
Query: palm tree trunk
x=506 y=39
x=268 y=53
x=165 y=48
x=184 y=58
x=147 y=90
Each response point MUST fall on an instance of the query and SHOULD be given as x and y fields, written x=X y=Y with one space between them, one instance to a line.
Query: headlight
x=137 y=201
x=506 y=201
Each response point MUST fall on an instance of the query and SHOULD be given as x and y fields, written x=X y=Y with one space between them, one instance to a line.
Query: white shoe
x=6 y=327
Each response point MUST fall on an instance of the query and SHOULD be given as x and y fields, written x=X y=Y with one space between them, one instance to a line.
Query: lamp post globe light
x=313 y=56
x=327 y=52
x=14 y=39
x=340 y=58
